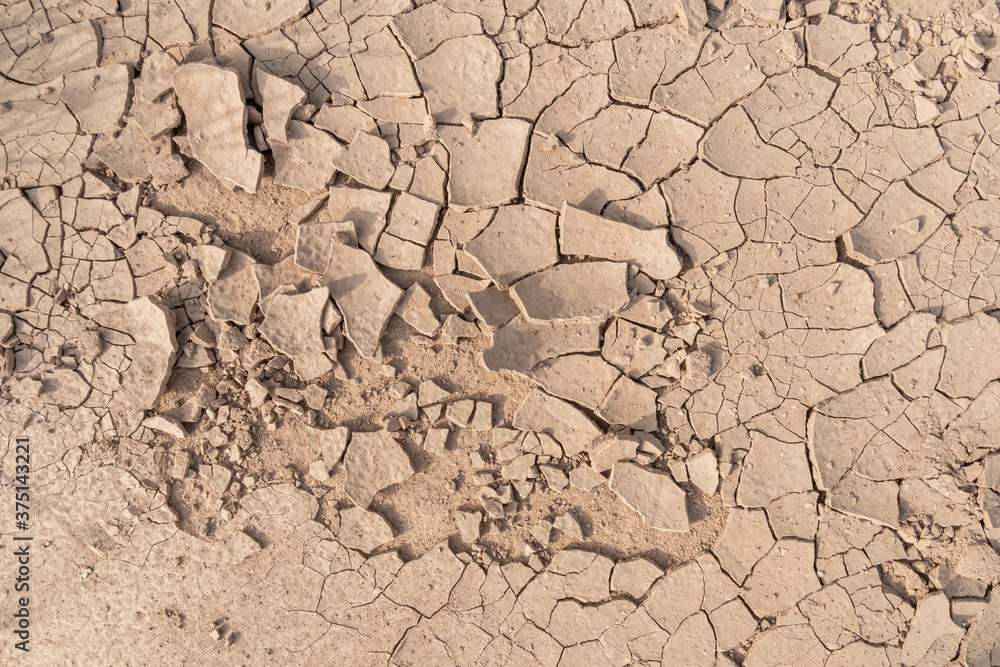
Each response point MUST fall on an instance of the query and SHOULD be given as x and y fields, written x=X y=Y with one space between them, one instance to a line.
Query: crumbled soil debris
x=570 y=332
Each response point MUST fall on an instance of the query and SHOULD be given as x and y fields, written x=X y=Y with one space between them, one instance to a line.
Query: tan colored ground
x=762 y=235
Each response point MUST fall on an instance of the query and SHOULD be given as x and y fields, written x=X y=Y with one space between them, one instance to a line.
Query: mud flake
x=733 y=146
x=66 y=49
x=694 y=643
x=837 y=46
x=703 y=209
x=745 y=540
x=771 y=469
x=415 y=309
x=651 y=493
x=364 y=296
x=897 y=224
x=367 y=209
x=97 y=97
x=546 y=414
x=634 y=577
x=460 y=79
x=703 y=93
x=307 y=160
x=363 y=530
x=293 y=322
x=583 y=233
x=630 y=404
x=556 y=294
x=212 y=102
x=152 y=325
x=933 y=636
x=486 y=163
x=373 y=461
x=279 y=98
x=522 y=345
x=367 y=161
x=837 y=296
x=968 y=365
x=233 y=295
x=781 y=578
x=426 y=583
x=247 y=20
x=520 y=240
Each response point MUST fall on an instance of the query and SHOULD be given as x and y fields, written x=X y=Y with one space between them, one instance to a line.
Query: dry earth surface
x=485 y=332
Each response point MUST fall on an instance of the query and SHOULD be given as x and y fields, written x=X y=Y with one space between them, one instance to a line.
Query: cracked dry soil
x=555 y=332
